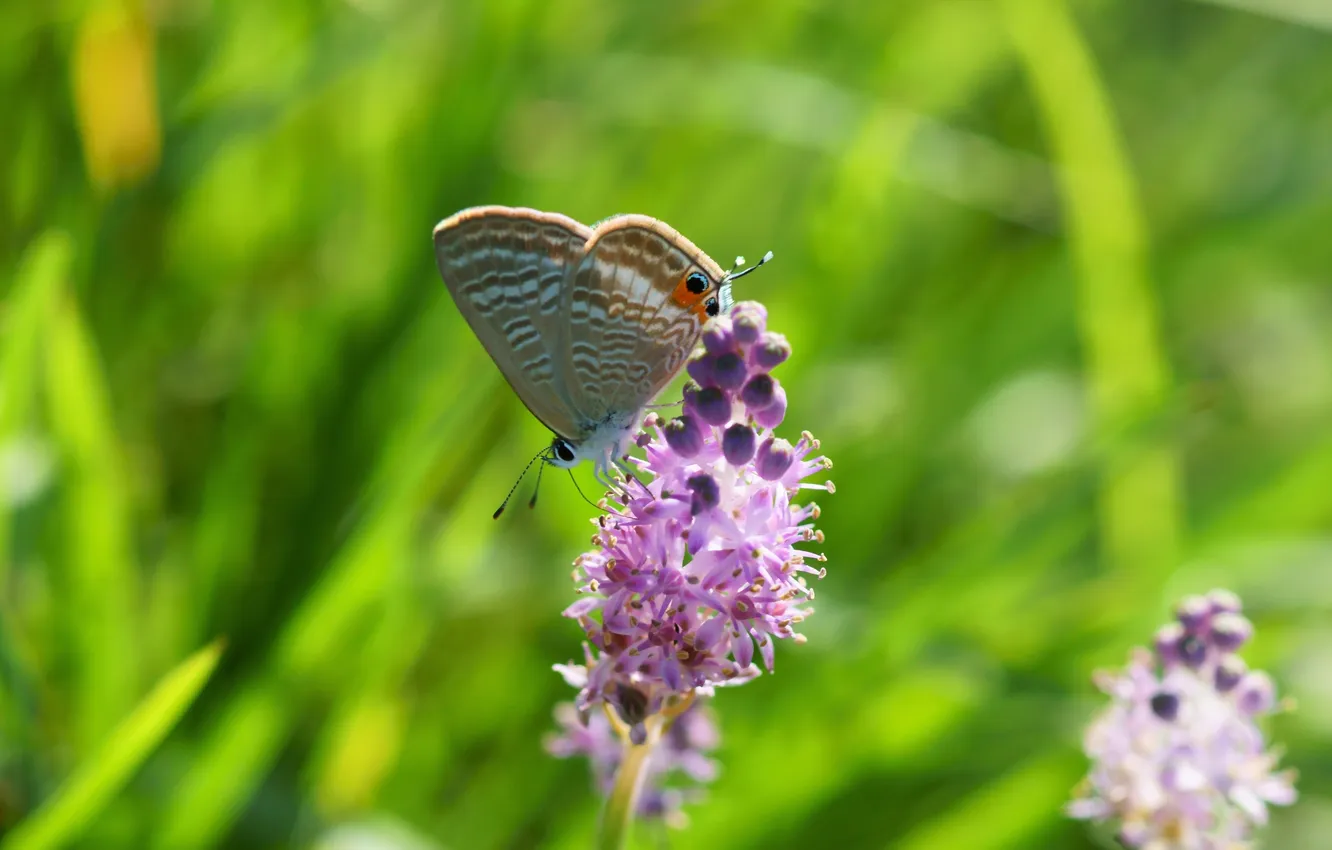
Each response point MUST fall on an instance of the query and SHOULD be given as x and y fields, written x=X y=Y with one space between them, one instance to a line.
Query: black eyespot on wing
x=697 y=283
x=712 y=307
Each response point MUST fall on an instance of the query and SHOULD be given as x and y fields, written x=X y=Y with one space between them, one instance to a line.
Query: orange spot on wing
x=696 y=303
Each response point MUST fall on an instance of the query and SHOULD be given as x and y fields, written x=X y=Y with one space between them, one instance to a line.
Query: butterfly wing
x=632 y=318
x=507 y=269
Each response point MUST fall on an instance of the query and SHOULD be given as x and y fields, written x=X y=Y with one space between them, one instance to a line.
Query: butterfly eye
x=563 y=450
x=697 y=283
x=712 y=307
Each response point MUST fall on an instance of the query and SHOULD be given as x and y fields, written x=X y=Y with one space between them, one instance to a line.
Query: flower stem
x=623 y=799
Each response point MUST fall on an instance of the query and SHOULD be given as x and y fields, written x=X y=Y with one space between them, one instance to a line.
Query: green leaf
x=97 y=558
x=1118 y=309
x=87 y=791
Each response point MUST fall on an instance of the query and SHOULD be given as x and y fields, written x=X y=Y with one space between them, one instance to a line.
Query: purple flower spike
x=1177 y=760
x=698 y=573
x=772 y=415
x=771 y=352
x=759 y=391
x=718 y=336
x=712 y=406
x=738 y=444
x=683 y=751
x=773 y=459
x=684 y=436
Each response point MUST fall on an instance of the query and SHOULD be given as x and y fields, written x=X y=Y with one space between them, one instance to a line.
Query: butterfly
x=587 y=324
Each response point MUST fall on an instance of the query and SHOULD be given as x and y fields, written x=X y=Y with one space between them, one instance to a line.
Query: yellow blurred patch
x=115 y=95
x=361 y=749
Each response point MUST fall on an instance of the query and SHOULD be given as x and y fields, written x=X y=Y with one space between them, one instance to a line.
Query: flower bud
x=772 y=415
x=775 y=456
x=771 y=351
x=1193 y=612
x=684 y=436
x=1230 y=631
x=1257 y=694
x=699 y=368
x=757 y=392
x=706 y=493
x=712 y=406
x=750 y=319
x=718 y=336
x=1224 y=601
x=1192 y=651
x=729 y=370
x=738 y=444
x=1229 y=673
x=631 y=703
x=1165 y=705
x=1167 y=643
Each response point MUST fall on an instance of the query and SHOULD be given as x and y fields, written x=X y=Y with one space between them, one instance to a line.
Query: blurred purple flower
x=1177 y=759
x=682 y=750
x=702 y=562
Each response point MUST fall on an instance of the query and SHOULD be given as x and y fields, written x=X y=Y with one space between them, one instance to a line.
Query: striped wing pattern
x=587 y=325
x=632 y=320
x=506 y=270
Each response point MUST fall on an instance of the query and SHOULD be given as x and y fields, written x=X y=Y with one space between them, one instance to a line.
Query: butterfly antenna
x=537 y=491
x=592 y=503
x=740 y=261
x=580 y=492
x=504 y=504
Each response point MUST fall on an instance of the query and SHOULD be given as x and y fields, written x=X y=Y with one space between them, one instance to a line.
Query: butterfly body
x=587 y=324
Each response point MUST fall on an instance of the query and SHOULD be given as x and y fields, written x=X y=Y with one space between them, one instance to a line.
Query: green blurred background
x=1058 y=277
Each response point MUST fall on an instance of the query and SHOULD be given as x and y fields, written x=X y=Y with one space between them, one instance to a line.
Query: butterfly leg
x=603 y=472
x=666 y=405
x=602 y=476
x=629 y=476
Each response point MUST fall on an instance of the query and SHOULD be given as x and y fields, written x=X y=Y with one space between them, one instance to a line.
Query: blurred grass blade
x=87 y=791
x=28 y=307
x=28 y=310
x=1311 y=13
x=27 y=316
x=246 y=740
x=1117 y=307
x=999 y=815
x=241 y=747
x=96 y=549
